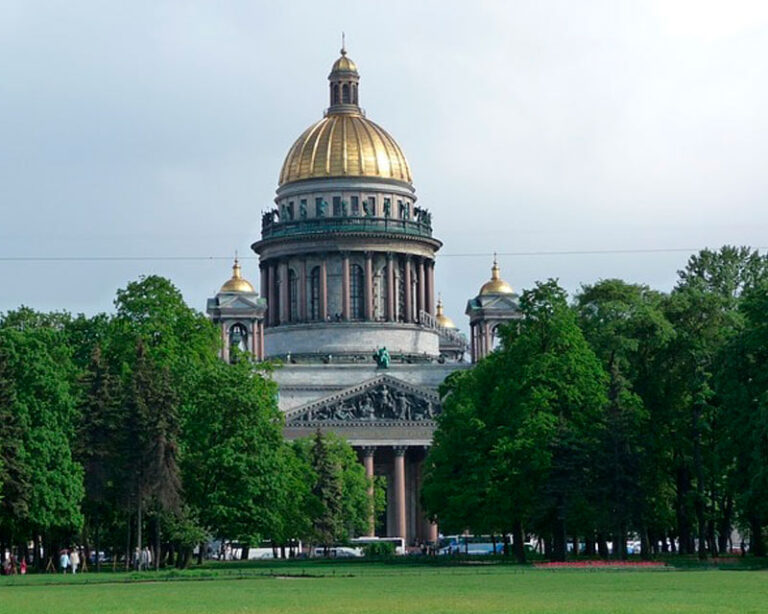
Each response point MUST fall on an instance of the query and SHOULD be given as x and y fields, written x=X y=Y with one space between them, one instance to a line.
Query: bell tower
x=496 y=304
x=239 y=312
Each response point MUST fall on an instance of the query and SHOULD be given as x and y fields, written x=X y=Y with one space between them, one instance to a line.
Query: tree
x=234 y=471
x=174 y=335
x=14 y=472
x=458 y=483
x=37 y=362
x=703 y=309
x=743 y=382
x=98 y=448
x=518 y=433
x=153 y=427
x=626 y=328
x=338 y=504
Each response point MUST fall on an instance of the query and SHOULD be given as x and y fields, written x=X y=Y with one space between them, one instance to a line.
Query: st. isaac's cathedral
x=347 y=301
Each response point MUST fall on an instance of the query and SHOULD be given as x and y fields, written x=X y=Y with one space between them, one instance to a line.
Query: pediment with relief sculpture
x=383 y=400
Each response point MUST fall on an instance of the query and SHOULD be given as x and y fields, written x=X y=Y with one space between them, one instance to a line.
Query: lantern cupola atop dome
x=344 y=81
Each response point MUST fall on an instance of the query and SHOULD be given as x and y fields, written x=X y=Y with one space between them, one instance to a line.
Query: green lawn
x=380 y=588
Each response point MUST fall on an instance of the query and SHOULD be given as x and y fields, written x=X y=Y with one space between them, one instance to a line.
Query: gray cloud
x=158 y=129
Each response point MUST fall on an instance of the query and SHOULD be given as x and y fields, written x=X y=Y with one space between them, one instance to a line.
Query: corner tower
x=346 y=255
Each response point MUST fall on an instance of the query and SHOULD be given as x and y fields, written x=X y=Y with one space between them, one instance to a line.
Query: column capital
x=368 y=450
x=399 y=450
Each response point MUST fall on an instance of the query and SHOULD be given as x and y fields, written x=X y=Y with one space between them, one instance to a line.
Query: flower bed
x=591 y=563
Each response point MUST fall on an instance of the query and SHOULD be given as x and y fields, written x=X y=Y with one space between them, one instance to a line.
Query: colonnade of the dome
x=342 y=286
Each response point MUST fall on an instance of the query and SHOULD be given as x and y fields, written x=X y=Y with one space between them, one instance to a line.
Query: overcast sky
x=157 y=129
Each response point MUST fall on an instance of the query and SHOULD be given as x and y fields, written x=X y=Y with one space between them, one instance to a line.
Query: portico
x=390 y=424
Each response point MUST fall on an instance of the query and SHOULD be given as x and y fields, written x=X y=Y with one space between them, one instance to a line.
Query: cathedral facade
x=347 y=302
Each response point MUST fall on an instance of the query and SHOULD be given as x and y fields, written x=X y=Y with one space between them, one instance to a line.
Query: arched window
x=345 y=93
x=335 y=93
x=314 y=294
x=293 y=296
x=356 y=292
x=496 y=337
x=354 y=93
x=238 y=338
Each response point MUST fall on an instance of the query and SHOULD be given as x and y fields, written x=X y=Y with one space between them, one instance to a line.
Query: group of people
x=69 y=559
x=142 y=558
x=12 y=566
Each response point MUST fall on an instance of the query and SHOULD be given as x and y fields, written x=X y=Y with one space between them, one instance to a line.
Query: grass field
x=381 y=588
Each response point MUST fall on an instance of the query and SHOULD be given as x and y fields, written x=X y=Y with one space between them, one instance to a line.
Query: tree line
x=126 y=430
x=626 y=412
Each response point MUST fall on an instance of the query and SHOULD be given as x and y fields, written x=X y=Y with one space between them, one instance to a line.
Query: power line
x=591 y=252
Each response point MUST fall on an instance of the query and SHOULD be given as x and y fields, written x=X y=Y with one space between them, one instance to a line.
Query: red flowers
x=577 y=564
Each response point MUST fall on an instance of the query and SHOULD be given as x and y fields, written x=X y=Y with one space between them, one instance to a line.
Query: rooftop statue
x=381 y=357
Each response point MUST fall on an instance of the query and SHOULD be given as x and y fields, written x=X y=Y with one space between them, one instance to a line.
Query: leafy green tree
x=14 y=471
x=458 y=485
x=233 y=464
x=743 y=382
x=173 y=335
x=703 y=309
x=517 y=437
x=561 y=388
x=43 y=403
x=626 y=328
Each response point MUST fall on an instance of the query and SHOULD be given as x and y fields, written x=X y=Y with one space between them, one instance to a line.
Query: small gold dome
x=442 y=319
x=344 y=64
x=496 y=285
x=345 y=145
x=237 y=283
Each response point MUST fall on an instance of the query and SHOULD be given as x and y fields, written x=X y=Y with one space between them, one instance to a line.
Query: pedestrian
x=23 y=566
x=143 y=561
x=74 y=560
x=63 y=561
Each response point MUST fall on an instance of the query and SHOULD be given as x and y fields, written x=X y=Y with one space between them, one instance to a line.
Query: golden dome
x=344 y=64
x=237 y=283
x=496 y=285
x=442 y=319
x=345 y=145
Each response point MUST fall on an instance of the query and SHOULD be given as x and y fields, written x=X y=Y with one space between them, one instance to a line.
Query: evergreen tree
x=153 y=431
x=98 y=446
